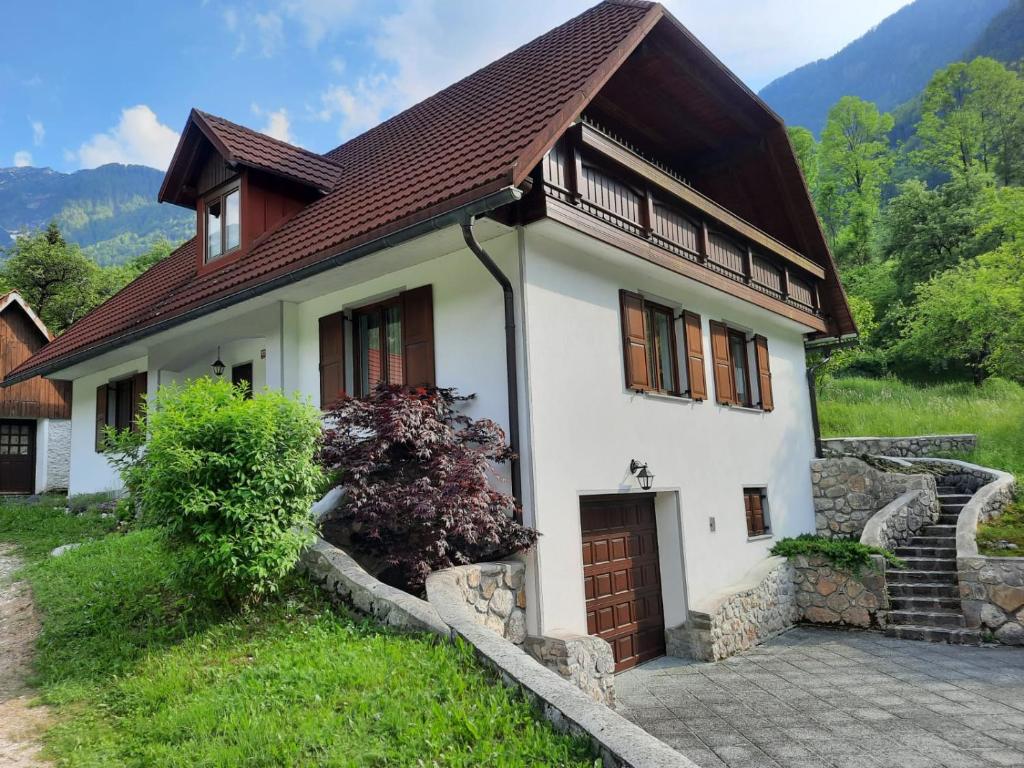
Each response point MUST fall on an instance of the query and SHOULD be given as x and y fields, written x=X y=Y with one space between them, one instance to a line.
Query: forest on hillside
x=928 y=230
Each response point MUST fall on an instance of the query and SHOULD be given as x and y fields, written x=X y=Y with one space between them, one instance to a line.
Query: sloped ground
x=20 y=724
x=819 y=698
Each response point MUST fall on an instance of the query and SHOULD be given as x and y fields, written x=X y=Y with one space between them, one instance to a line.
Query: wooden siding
x=36 y=398
x=726 y=254
x=766 y=274
x=801 y=291
x=214 y=173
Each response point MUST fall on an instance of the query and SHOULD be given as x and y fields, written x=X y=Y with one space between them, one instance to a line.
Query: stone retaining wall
x=739 y=617
x=992 y=595
x=848 y=492
x=895 y=523
x=829 y=595
x=584 y=660
x=919 y=445
x=495 y=593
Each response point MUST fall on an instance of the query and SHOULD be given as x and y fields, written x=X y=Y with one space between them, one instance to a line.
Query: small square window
x=755 y=503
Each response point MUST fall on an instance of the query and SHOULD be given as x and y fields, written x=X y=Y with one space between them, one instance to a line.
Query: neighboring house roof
x=13 y=297
x=482 y=134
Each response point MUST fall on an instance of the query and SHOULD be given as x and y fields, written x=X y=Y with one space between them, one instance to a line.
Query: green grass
x=141 y=673
x=1009 y=526
x=887 y=408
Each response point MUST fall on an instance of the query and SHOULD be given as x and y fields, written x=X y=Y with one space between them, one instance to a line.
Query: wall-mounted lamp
x=643 y=476
x=218 y=365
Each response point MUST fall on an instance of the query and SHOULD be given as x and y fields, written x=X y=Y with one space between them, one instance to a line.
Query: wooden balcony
x=600 y=185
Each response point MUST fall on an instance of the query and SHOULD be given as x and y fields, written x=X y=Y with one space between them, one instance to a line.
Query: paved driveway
x=815 y=697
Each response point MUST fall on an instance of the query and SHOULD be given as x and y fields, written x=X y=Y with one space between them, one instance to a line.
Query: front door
x=17 y=456
x=621 y=576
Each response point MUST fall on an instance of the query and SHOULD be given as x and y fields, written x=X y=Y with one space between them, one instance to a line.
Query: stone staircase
x=924 y=597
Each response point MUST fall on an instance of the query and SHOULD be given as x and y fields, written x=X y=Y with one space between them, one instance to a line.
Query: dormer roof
x=240 y=147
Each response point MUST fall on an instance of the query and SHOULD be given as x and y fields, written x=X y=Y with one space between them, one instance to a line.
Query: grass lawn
x=142 y=674
x=887 y=407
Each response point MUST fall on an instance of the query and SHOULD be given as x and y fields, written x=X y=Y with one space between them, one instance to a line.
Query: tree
x=806 y=149
x=972 y=119
x=416 y=472
x=854 y=160
x=54 y=277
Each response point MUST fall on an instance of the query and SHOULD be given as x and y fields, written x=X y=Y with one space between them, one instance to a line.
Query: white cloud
x=270 y=30
x=278 y=124
x=230 y=16
x=361 y=106
x=22 y=158
x=139 y=137
x=38 y=132
x=319 y=18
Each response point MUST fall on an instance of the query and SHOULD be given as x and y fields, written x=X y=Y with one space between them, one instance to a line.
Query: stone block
x=991 y=616
x=1011 y=633
x=1008 y=598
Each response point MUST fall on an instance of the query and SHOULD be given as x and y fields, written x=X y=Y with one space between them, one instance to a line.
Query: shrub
x=845 y=554
x=229 y=478
x=416 y=472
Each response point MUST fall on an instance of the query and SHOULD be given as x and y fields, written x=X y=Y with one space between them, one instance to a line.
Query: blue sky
x=86 y=83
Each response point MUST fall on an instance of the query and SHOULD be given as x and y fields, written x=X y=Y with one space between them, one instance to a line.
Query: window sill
x=667 y=396
x=744 y=408
x=762 y=537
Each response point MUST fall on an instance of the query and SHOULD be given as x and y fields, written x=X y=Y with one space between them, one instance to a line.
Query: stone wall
x=739 y=617
x=584 y=660
x=920 y=445
x=899 y=520
x=495 y=593
x=848 y=492
x=58 y=455
x=992 y=595
x=829 y=595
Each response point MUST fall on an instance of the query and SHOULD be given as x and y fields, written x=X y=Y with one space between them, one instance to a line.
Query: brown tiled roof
x=485 y=132
x=247 y=147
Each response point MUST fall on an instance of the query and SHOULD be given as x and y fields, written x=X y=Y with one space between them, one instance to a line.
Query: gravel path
x=20 y=724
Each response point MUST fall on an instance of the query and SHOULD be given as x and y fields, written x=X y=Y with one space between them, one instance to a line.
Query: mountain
x=889 y=64
x=1003 y=39
x=111 y=211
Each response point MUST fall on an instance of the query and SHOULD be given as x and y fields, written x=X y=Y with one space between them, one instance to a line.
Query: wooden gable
x=21 y=335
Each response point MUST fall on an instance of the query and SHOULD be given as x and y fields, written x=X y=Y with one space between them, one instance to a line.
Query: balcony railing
x=608 y=180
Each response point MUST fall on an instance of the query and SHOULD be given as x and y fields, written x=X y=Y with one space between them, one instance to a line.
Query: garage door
x=17 y=456
x=621 y=577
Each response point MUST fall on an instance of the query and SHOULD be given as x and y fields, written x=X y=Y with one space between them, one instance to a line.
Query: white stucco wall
x=90 y=471
x=586 y=427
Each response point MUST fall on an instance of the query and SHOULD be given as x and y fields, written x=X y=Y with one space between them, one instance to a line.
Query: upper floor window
x=223 y=222
x=651 y=348
x=741 y=366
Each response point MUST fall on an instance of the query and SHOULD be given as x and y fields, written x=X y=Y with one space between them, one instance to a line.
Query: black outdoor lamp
x=645 y=478
x=218 y=365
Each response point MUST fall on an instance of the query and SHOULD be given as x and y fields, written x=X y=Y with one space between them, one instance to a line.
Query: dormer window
x=223 y=222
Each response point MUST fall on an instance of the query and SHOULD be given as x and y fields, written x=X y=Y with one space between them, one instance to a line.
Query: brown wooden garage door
x=17 y=456
x=621 y=577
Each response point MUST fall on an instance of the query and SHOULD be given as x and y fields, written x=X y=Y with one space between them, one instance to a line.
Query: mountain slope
x=111 y=211
x=889 y=64
x=1003 y=39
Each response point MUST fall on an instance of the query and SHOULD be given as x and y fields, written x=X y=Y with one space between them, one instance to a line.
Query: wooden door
x=621 y=577
x=17 y=456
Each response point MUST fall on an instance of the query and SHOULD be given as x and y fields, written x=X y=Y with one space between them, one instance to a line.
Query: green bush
x=229 y=478
x=845 y=554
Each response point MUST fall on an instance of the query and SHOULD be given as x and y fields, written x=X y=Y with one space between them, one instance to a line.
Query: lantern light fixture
x=218 y=365
x=643 y=475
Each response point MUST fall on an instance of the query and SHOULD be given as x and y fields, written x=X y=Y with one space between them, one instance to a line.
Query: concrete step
x=951 y=619
x=945 y=519
x=953 y=498
x=941 y=542
x=939 y=530
x=925 y=604
x=935 y=634
x=921 y=589
x=948 y=490
x=941 y=552
x=933 y=564
x=909 y=576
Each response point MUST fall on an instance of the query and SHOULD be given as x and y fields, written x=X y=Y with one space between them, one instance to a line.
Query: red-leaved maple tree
x=416 y=473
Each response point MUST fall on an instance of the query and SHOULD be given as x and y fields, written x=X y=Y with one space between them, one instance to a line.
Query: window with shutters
x=650 y=348
x=742 y=371
x=377 y=336
x=755 y=504
x=119 y=405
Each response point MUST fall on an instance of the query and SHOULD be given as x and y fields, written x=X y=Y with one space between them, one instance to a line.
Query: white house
x=604 y=235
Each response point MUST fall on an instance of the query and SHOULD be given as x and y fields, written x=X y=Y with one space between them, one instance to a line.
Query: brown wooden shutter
x=101 y=415
x=725 y=389
x=634 y=341
x=694 y=343
x=418 y=336
x=139 y=385
x=332 y=359
x=764 y=373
